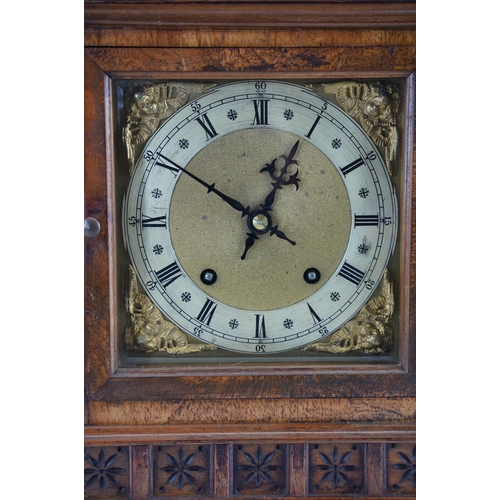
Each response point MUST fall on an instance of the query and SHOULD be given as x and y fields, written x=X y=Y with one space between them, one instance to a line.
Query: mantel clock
x=249 y=250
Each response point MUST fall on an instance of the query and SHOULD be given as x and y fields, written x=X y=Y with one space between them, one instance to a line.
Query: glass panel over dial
x=260 y=218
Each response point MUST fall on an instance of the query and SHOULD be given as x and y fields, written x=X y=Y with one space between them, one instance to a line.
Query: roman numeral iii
x=365 y=220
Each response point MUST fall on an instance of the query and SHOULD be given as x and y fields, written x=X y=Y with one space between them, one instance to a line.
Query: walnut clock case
x=249 y=250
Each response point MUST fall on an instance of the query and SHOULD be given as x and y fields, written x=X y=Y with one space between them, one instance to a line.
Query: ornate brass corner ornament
x=370 y=332
x=375 y=105
x=147 y=106
x=148 y=331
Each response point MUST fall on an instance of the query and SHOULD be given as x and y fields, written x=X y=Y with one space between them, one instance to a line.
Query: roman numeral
x=160 y=221
x=260 y=327
x=352 y=166
x=314 y=314
x=313 y=127
x=207 y=312
x=261 y=112
x=365 y=220
x=169 y=274
x=204 y=121
x=170 y=165
x=350 y=273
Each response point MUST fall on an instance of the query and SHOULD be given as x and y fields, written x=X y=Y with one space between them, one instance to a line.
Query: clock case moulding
x=179 y=348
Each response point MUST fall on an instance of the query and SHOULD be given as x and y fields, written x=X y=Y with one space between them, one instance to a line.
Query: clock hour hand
x=248 y=243
x=212 y=189
x=281 y=180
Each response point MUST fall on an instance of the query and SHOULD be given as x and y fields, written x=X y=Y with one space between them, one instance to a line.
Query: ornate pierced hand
x=259 y=221
x=284 y=178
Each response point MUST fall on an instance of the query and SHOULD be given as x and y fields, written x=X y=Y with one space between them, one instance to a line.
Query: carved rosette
x=259 y=469
x=106 y=472
x=336 y=468
x=401 y=468
x=254 y=470
x=182 y=470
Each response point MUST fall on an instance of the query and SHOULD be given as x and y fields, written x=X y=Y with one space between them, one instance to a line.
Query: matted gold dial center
x=208 y=234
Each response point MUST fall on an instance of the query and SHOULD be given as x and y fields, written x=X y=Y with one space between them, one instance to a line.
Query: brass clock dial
x=260 y=217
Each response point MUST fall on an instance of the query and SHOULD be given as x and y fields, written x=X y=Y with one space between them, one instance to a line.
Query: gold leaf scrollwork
x=148 y=331
x=375 y=105
x=370 y=331
x=147 y=106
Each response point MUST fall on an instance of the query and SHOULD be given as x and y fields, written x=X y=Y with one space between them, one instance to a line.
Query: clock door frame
x=225 y=407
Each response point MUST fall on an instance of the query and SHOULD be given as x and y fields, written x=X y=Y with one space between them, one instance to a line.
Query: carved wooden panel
x=182 y=470
x=402 y=468
x=336 y=468
x=107 y=472
x=260 y=469
x=251 y=470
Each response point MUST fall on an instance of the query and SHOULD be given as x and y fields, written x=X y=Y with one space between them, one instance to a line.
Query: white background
x=457 y=273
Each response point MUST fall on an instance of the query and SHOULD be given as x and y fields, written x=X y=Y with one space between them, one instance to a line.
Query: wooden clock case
x=245 y=431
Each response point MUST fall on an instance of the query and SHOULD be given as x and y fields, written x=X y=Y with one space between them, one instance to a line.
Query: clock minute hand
x=212 y=189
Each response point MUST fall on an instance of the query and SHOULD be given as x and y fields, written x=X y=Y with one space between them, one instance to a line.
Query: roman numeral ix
x=160 y=221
